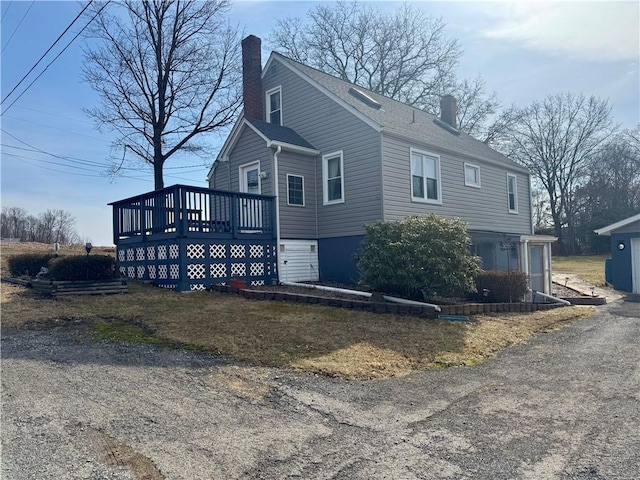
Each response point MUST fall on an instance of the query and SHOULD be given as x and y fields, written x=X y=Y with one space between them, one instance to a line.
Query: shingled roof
x=399 y=118
x=280 y=134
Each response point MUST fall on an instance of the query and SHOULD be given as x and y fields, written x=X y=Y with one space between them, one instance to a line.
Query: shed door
x=635 y=264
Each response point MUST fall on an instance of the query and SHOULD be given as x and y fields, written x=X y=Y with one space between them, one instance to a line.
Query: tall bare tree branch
x=167 y=72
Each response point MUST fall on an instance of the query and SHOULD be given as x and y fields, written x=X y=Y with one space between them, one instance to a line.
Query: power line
x=4 y=15
x=57 y=56
x=17 y=26
x=48 y=50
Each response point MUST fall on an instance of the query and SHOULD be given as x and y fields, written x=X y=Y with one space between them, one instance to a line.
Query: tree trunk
x=158 y=164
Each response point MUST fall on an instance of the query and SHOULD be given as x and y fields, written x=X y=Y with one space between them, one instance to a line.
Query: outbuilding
x=622 y=270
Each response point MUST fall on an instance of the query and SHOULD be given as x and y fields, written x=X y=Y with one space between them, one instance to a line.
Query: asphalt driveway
x=565 y=405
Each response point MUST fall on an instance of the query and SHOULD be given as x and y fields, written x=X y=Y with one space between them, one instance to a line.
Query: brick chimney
x=449 y=110
x=251 y=77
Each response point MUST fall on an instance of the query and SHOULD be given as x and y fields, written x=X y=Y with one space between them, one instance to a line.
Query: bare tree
x=47 y=227
x=555 y=138
x=167 y=71
x=481 y=115
x=404 y=55
x=612 y=191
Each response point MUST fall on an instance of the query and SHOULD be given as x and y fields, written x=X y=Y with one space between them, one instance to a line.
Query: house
x=337 y=156
x=622 y=270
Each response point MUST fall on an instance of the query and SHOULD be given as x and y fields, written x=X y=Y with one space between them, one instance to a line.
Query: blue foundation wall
x=335 y=258
x=620 y=266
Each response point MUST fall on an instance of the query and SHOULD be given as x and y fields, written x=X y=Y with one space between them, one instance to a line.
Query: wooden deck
x=191 y=238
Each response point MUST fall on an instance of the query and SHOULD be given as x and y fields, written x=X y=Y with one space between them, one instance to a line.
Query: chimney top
x=449 y=110
x=252 y=77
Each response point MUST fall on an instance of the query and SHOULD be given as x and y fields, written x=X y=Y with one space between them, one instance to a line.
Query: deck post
x=234 y=216
x=143 y=219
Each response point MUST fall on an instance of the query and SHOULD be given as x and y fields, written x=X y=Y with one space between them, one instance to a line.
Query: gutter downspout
x=276 y=187
x=550 y=297
x=403 y=301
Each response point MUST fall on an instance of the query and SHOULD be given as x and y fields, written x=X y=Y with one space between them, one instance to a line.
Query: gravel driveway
x=565 y=405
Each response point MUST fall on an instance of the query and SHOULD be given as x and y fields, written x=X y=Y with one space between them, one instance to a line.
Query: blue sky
x=524 y=51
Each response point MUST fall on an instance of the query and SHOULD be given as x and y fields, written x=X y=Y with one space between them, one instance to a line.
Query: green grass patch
x=121 y=331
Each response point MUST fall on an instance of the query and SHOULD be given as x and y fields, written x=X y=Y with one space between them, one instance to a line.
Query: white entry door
x=250 y=208
x=635 y=265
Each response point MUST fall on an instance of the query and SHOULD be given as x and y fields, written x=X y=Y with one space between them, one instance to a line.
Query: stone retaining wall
x=387 y=307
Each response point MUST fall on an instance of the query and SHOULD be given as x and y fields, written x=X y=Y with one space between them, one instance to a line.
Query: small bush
x=28 y=264
x=418 y=256
x=83 y=267
x=501 y=286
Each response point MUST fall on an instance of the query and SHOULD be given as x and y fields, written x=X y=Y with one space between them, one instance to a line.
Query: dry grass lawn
x=312 y=338
x=588 y=268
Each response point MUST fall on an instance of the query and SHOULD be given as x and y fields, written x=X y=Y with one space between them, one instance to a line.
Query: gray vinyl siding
x=329 y=127
x=631 y=228
x=297 y=222
x=248 y=149
x=484 y=209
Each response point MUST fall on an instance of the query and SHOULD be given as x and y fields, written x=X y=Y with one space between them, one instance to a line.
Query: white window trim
x=303 y=199
x=515 y=193
x=325 y=183
x=477 y=168
x=267 y=103
x=242 y=187
x=438 y=201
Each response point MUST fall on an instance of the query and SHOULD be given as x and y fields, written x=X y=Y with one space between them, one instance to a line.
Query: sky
x=53 y=156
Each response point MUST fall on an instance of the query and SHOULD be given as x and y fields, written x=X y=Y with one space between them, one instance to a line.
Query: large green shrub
x=418 y=255
x=28 y=264
x=83 y=267
x=501 y=286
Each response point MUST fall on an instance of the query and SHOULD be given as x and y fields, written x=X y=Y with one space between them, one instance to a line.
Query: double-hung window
x=471 y=175
x=425 y=177
x=333 y=178
x=512 y=192
x=295 y=190
x=274 y=106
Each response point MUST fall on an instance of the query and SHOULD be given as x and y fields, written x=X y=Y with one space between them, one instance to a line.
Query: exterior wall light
x=620 y=245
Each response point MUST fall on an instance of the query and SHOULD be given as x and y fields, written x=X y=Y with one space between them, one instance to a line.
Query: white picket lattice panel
x=174 y=272
x=195 y=250
x=196 y=270
x=218 y=270
x=123 y=270
x=217 y=251
x=237 y=251
x=152 y=272
x=197 y=286
x=256 y=269
x=151 y=253
x=162 y=252
x=131 y=272
x=121 y=255
x=162 y=272
x=140 y=254
x=174 y=251
x=256 y=283
x=130 y=255
x=256 y=251
x=238 y=269
x=140 y=271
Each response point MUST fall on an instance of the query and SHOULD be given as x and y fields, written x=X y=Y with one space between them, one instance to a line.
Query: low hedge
x=28 y=264
x=83 y=267
x=501 y=286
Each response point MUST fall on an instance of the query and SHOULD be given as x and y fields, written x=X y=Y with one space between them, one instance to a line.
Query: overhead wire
x=57 y=56
x=17 y=26
x=49 y=49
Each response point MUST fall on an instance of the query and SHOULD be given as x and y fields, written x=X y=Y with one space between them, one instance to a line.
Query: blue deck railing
x=183 y=211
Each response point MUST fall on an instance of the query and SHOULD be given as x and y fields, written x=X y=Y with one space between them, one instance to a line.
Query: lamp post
x=87 y=247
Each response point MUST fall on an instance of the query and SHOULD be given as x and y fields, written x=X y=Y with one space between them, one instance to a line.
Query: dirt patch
x=118 y=455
